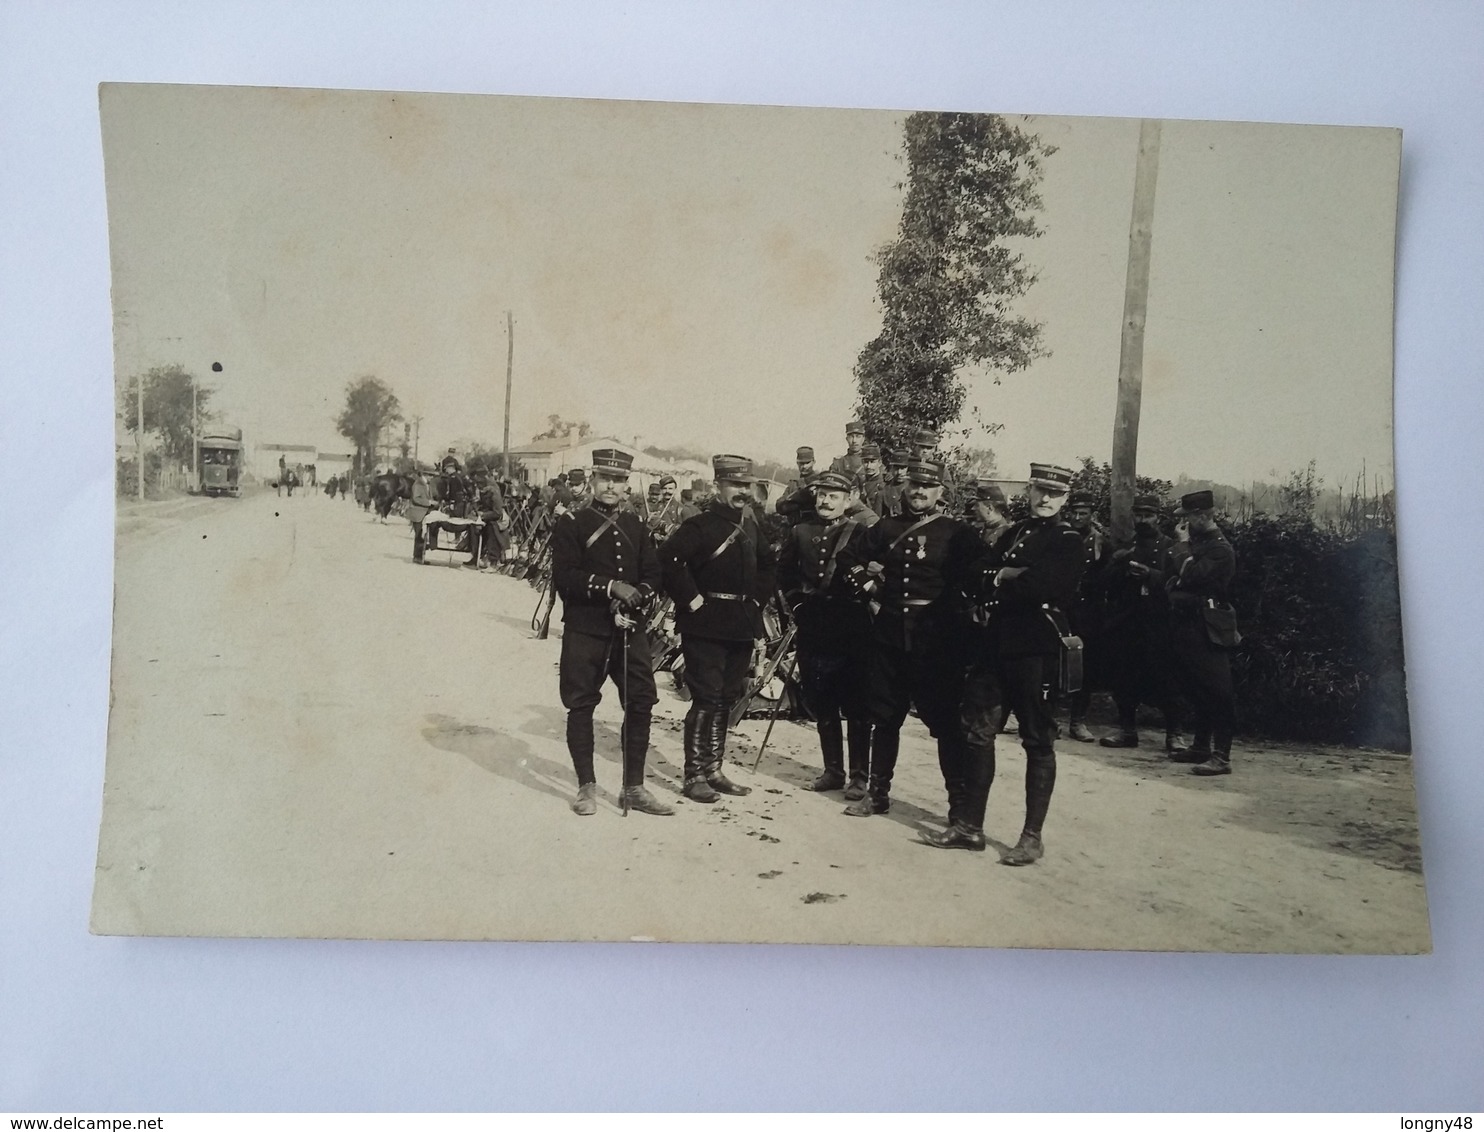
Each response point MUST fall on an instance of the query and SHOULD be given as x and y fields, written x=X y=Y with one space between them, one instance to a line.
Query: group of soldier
x=898 y=605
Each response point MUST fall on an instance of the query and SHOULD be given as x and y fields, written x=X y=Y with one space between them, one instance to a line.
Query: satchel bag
x=1069 y=657
x=1221 y=623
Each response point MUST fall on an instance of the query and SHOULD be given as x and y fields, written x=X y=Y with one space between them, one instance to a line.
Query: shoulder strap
x=602 y=528
x=915 y=526
x=732 y=536
x=828 y=574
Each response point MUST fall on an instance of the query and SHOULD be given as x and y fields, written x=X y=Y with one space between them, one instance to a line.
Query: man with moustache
x=912 y=568
x=833 y=632
x=1086 y=612
x=719 y=570
x=605 y=569
x=1029 y=577
x=1137 y=633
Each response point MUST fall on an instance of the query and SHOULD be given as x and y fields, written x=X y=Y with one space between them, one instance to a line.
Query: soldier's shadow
x=502 y=754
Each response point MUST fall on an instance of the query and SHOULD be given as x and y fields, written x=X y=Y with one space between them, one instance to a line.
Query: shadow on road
x=501 y=754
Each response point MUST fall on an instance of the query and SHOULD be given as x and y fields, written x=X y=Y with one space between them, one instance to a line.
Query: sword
x=773 y=717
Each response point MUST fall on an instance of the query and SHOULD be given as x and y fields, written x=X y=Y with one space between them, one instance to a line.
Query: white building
x=544 y=459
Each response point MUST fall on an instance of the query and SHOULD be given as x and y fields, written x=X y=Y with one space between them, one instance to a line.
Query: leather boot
x=697 y=789
x=832 y=746
x=639 y=798
x=1220 y=761
x=858 y=748
x=716 y=750
x=885 y=743
x=1198 y=752
x=1040 y=781
x=580 y=743
x=586 y=804
x=1028 y=850
x=876 y=800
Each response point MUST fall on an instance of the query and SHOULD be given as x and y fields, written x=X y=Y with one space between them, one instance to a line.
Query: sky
x=703 y=276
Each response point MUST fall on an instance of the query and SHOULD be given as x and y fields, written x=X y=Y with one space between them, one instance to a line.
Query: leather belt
x=729 y=597
x=914 y=601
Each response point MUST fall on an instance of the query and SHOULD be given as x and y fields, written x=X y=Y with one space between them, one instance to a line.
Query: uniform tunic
x=591 y=548
x=922 y=564
x=1204 y=569
x=833 y=625
x=718 y=569
x=1136 y=635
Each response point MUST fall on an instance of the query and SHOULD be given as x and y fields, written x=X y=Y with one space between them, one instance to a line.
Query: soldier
x=913 y=568
x=1086 y=610
x=796 y=504
x=652 y=506
x=833 y=632
x=605 y=568
x=896 y=482
x=855 y=439
x=578 y=485
x=872 y=482
x=494 y=520
x=986 y=511
x=1202 y=629
x=688 y=508
x=1136 y=634
x=923 y=445
x=719 y=570
x=1029 y=577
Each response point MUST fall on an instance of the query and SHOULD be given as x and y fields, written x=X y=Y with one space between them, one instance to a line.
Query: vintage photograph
x=559 y=519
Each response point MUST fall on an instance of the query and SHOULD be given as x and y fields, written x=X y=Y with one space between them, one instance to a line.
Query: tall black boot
x=968 y=798
x=885 y=742
x=580 y=747
x=1040 y=781
x=717 y=753
x=858 y=748
x=832 y=747
x=635 y=795
x=697 y=756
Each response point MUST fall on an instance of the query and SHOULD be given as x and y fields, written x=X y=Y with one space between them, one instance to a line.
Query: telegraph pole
x=509 y=369
x=1135 y=311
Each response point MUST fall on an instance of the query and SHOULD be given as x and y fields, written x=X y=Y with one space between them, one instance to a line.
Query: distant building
x=544 y=459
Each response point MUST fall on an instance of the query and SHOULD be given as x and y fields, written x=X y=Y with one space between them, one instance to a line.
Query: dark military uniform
x=834 y=632
x=1204 y=569
x=914 y=568
x=718 y=570
x=796 y=504
x=1136 y=635
x=1015 y=662
x=593 y=547
x=1086 y=615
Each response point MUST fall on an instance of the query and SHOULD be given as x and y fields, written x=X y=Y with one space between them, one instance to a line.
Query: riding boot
x=1040 y=781
x=832 y=746
x=636 y=746
x=858 y=748
x=885 y=742
x=717 y=748
x=697 y=789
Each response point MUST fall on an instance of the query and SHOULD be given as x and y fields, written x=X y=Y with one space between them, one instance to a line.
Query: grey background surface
x=121 y=1024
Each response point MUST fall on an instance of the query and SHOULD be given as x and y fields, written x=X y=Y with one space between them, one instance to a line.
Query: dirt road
x=312 y=736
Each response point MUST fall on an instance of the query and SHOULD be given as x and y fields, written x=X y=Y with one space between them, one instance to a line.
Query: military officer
x=1136 y=635
x=913 y=567
x=719 y=570
x=1029 y=577
x=1203 y=630
x=855 y=439
x=688 y=508
x=1086 y=610
x=872 y=479
x=896 y=481
x=606 y=571
x=833 y=632
x=986 y=512
x=796 y=503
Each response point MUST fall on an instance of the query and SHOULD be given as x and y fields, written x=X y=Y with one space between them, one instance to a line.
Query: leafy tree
x=1098 y=480
x=167 y=409
x=558 y=428
x=947 y=281
x=370 y=406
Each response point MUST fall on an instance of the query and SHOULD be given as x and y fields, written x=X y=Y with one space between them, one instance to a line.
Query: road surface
x=311 y=736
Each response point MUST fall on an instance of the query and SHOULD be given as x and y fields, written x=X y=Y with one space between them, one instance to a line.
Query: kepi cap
x=830 y=481
x=1081 y=498
x=804 y=455
x=929 y=472
x=870 y=452
x=855 y=428
x=735 y=468
x=925 y=438
x=1146 y=502
x=612 y=460
x=1052 y=477
x=1196 y=501
x=576 y=475
x=897 y=458
x=988 y=489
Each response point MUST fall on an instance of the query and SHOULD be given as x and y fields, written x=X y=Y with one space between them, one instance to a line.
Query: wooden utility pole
x=139 y=435
x=1135 y=310
x=509 y=369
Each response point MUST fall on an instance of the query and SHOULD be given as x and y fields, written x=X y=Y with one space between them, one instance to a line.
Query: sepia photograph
x=567 y=519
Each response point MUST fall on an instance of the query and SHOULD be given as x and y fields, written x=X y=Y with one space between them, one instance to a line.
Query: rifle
x=773 y=715
x=740 y=708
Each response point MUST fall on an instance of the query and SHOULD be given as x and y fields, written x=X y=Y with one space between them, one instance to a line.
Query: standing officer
x=1136 y=635
x=605 y=568
x=796 y=504
x=1029 y=578
x=896 y=482
x=719 y=570
x=1086 y=610
x=834 y=632
x=1203 y=628
x=913 y=568
x=855 y=439
x=872 y=480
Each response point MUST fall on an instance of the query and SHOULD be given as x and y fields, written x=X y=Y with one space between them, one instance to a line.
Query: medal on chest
x=921 y=547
